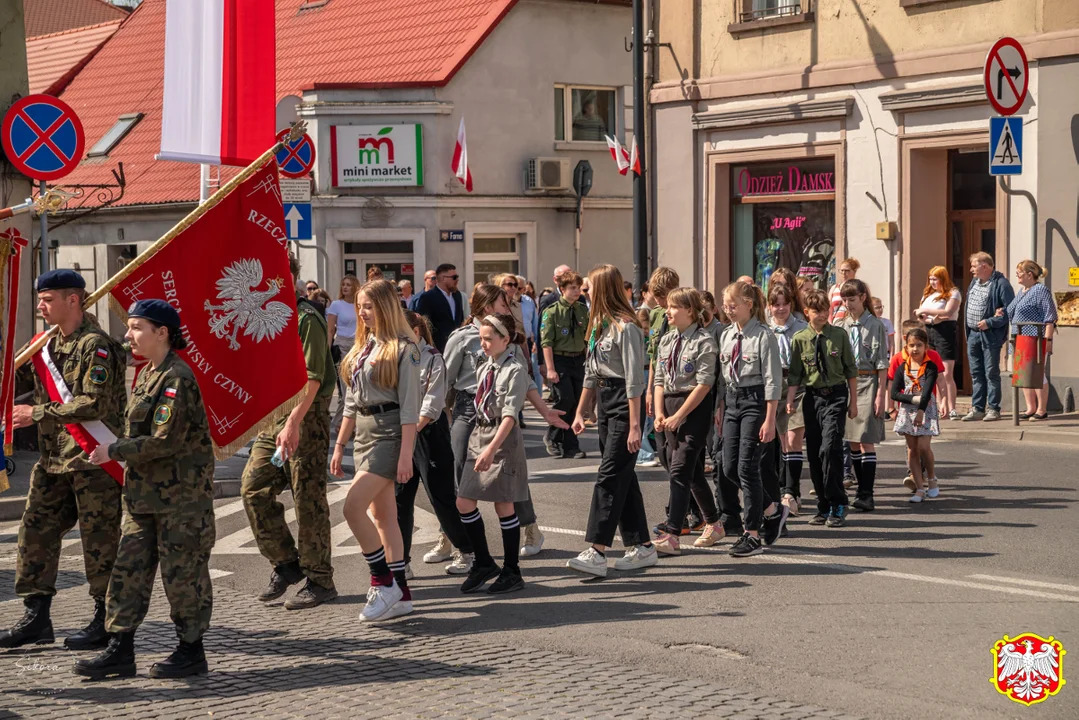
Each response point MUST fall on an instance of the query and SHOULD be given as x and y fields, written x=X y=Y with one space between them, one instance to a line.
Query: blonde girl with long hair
x=382 y=406
x=614 y=370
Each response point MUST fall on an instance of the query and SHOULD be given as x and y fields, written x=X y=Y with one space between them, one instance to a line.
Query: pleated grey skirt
x=507 y=478
x=866 y=428
x=378 y=444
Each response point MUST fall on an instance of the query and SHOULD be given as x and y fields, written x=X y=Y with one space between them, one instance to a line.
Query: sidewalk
x=1058 y=429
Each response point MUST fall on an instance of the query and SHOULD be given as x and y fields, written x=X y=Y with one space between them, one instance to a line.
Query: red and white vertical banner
x=460 y=159
x=220 y=75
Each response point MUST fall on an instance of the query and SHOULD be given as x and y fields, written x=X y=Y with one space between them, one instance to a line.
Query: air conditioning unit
x=548 y=173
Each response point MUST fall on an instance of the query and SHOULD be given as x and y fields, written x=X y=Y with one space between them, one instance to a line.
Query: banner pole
x=298 y=129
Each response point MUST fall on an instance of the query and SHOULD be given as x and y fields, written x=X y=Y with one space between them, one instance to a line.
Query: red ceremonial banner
x=228 y=276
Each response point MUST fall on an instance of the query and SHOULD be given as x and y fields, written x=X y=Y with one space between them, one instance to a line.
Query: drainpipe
x=1006 y=187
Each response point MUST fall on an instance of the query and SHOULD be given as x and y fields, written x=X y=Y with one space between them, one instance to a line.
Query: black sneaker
x=773 y=526
x=864 y=504
x=478 y=577
x=818 y=519
x=509 y=580
x=664 y=529
x=579 y=455
x=280 y=580
x=553 y=449
x=746 y=546
x=311 y=595
x=838 y=517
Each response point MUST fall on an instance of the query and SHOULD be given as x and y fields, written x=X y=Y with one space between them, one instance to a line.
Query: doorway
x=394 y=267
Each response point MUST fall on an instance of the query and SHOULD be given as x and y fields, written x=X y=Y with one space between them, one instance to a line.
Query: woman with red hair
x=940 y=312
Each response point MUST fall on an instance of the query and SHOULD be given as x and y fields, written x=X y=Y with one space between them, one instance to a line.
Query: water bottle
x=279 y=456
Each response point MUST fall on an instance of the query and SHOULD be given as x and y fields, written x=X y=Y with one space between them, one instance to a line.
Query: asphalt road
x=893 y=616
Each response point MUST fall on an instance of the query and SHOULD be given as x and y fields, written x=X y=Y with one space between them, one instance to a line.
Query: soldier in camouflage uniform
x=65 y=487
x=304 y=436
x=168 y=503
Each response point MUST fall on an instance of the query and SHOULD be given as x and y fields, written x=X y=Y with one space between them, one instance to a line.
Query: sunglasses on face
x=312 y=288
x=451 y=277
x=509 y=284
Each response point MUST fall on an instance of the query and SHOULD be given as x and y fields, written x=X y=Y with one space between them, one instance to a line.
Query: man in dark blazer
x=443 y=305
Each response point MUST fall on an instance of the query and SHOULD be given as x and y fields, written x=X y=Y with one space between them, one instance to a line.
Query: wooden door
x=972 y=231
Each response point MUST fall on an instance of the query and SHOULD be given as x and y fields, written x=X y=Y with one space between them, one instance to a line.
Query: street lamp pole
x=640 y=187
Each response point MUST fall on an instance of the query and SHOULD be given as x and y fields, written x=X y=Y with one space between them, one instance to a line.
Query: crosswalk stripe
x=234 y=543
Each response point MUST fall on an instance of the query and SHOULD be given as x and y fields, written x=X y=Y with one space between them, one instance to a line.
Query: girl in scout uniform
x=496 y=470
x=751 y=375
x=685 y=371
x=168 y=503
x=433 y=456
x=382 y=405
x=615 y=364
x=786 y=277
x=789 y=426
x=464 y=356
x=869 y=341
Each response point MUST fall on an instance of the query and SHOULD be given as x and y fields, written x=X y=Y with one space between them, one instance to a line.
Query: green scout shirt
x=93 y=366
x=167 y=446
x=657 y=317
x=314 y=335
x=563 y=327
x=838 y=358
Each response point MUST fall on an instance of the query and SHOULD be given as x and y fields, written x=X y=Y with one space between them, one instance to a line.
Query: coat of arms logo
x=246 y=308
x=1028 y=668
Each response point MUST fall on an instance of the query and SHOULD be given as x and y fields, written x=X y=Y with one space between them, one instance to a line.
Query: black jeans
x=743 y=415
x=825 y=411
x=433 y=465
x=568 y=392
x=616 y=498
x=685 y=449
x=464 y=420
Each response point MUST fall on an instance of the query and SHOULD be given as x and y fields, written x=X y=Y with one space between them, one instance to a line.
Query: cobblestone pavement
x=268 y=662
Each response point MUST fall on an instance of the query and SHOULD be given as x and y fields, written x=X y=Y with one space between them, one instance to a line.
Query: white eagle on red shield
x=246 y=308
x=1028 y=668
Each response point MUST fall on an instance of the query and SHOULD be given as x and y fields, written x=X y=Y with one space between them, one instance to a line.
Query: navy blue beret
x=60 y=280
x=156 y=311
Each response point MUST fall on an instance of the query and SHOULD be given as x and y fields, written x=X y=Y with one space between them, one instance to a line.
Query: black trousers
x=617 y=502
x=772 y=469
x=825 y=411
x=743 y=416
x=433 y=463
x=685 y=462
x=464 y=420
x=568 y=393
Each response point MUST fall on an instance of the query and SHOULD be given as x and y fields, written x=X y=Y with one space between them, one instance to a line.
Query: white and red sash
x=88 y=434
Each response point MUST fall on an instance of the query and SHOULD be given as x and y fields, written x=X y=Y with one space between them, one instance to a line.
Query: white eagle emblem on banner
x=245 y=308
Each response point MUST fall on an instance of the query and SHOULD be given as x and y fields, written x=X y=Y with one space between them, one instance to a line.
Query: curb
x=1014 y=434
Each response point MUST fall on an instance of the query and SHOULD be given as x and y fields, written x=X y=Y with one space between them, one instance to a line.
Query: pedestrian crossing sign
x=1006 y=146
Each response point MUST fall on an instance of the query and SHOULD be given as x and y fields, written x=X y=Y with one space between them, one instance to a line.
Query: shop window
x=493 y=255
x=758 y=14
x=783 y=215
x=588 y=113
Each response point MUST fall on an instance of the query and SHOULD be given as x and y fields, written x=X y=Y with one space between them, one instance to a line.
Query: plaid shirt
x=1033 y=304
x=977 y=302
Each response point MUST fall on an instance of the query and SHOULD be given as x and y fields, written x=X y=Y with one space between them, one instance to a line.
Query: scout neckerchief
x=856 y=340
x=736 y=357
x=820 y=351
x=672 y=359
x=915 y=381
x=784 y=344
x=364 y=354
x=484 y=391
x=593 y=341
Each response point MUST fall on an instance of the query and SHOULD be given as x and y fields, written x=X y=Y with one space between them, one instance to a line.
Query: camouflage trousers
x=54 y=504
x=181 y=543
x=305 y=475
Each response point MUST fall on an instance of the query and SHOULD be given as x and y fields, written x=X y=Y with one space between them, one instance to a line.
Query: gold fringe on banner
x=5 y=257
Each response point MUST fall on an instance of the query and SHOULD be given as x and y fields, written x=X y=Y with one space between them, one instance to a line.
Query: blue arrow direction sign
x=298 y=221
x=1006 y=146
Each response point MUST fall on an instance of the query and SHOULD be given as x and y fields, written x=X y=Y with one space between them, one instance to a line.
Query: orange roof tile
x=54 y=59
x=45 y=17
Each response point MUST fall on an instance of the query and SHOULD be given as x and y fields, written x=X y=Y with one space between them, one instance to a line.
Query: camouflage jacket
x=167 y=446
x=93 y=366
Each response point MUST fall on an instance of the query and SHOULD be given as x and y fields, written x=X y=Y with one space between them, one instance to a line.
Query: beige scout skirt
x=795 y=421
x=378 y=444
x=507 y=478
x=866 y=428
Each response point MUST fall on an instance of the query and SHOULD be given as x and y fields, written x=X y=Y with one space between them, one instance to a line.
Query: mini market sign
x=376 y=155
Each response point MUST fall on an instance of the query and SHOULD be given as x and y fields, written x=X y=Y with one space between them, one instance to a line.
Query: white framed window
x=762 y=9
x=585 y=113
x=495 y=254
x=115 y=134
x=492 y=248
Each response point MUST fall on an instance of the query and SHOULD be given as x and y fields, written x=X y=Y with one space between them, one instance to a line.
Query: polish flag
x=634 y=160
x=621 y=157
x=460 y=159
x=220 y=75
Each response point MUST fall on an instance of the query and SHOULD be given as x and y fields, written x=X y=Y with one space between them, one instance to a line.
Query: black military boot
x=94 y=635
x=35 y=627
x=280 y=579
x=118 y=659
x=186 y=660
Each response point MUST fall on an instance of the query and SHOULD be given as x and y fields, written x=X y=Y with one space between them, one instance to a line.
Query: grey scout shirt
x=617 y=353
x=511 y=385
x=759 y=363
x=432 y=381
x=784 y=334
x=872 y=355
x=693 y=365
x=363 y=392
x=464 y=356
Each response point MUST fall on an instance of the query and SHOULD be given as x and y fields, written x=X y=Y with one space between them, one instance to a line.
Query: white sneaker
x=380 y=600
x=933 y=490
x=590 y=562
x=533 y=540
x=918 y=496
x=654 y=462
x=637 y=557
x=441 y=552
x=402 y=607
x=462 y=563
x=408 y=571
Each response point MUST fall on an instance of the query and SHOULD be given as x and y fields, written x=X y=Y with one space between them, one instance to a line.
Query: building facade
x=814 y=131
